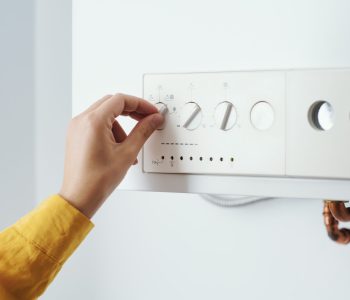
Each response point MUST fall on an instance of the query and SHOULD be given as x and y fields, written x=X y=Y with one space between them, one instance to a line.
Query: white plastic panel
x=205 y=148
x=310 y=151
x=250 y=123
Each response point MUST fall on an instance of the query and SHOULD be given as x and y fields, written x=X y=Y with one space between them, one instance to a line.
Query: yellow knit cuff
x=55 y=227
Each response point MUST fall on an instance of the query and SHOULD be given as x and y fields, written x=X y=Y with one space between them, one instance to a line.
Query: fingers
x=120 y=103
x=136 y=116
x=97 y=104
x=120 y=135
x=141 y=132
x=118 y=132
x=110 y=107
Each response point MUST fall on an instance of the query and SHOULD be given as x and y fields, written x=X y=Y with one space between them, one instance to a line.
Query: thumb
x=142 y=131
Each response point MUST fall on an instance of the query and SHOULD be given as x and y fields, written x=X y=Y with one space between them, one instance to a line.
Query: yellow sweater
x=33 y=250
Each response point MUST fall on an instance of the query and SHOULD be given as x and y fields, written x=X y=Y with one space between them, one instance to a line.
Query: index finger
x=121 y=103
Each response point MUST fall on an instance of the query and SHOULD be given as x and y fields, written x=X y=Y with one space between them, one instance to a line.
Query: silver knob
x=225 y=115
x=163 y=109
x=191 y=116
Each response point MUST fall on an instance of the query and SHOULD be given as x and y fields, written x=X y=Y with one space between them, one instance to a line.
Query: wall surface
x=171 y=246
x=155 y=245
x=16 y=109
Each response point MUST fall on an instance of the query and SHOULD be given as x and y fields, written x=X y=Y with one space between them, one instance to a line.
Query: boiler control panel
x=288 y=123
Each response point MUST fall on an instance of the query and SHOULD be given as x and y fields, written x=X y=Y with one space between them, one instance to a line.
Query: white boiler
x=256 y=94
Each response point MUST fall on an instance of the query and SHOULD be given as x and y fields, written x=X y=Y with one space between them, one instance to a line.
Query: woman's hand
x=98 y=151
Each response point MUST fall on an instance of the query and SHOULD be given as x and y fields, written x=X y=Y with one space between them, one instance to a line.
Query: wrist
x=85 y=204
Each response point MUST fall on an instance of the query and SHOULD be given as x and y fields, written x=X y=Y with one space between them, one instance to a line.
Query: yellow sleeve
x=33 y=250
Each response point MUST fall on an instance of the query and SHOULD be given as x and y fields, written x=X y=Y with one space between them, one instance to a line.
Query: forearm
x=98 y=155
x=33 y=250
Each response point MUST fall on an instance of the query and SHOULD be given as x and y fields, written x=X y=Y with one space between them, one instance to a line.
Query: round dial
x=163 y=109
x=225 y=115
x=191 y=116
x=262 y=115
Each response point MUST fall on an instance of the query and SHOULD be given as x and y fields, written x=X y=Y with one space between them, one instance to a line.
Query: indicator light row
x=201 y=158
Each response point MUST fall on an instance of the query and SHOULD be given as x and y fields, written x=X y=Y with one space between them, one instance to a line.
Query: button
x=262 y=115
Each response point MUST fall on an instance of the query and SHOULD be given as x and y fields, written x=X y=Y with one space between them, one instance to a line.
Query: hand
x=98 y=151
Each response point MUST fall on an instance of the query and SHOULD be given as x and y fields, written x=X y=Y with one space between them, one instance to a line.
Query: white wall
x=16 y=109
x=150 y=246
x=154 y=245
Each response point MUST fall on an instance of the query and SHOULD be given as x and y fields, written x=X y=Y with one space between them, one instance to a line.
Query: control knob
x=163 y=109
x=225 y=115
x=191 y=116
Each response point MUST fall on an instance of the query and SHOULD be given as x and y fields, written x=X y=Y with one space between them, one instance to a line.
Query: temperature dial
x=163 y=109
x=225 y=115
x=191 y=116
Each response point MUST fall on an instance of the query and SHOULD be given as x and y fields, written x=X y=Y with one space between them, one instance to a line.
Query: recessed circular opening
x=321 y=115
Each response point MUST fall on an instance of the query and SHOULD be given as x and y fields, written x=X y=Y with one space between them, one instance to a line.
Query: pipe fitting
x=333 y=210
